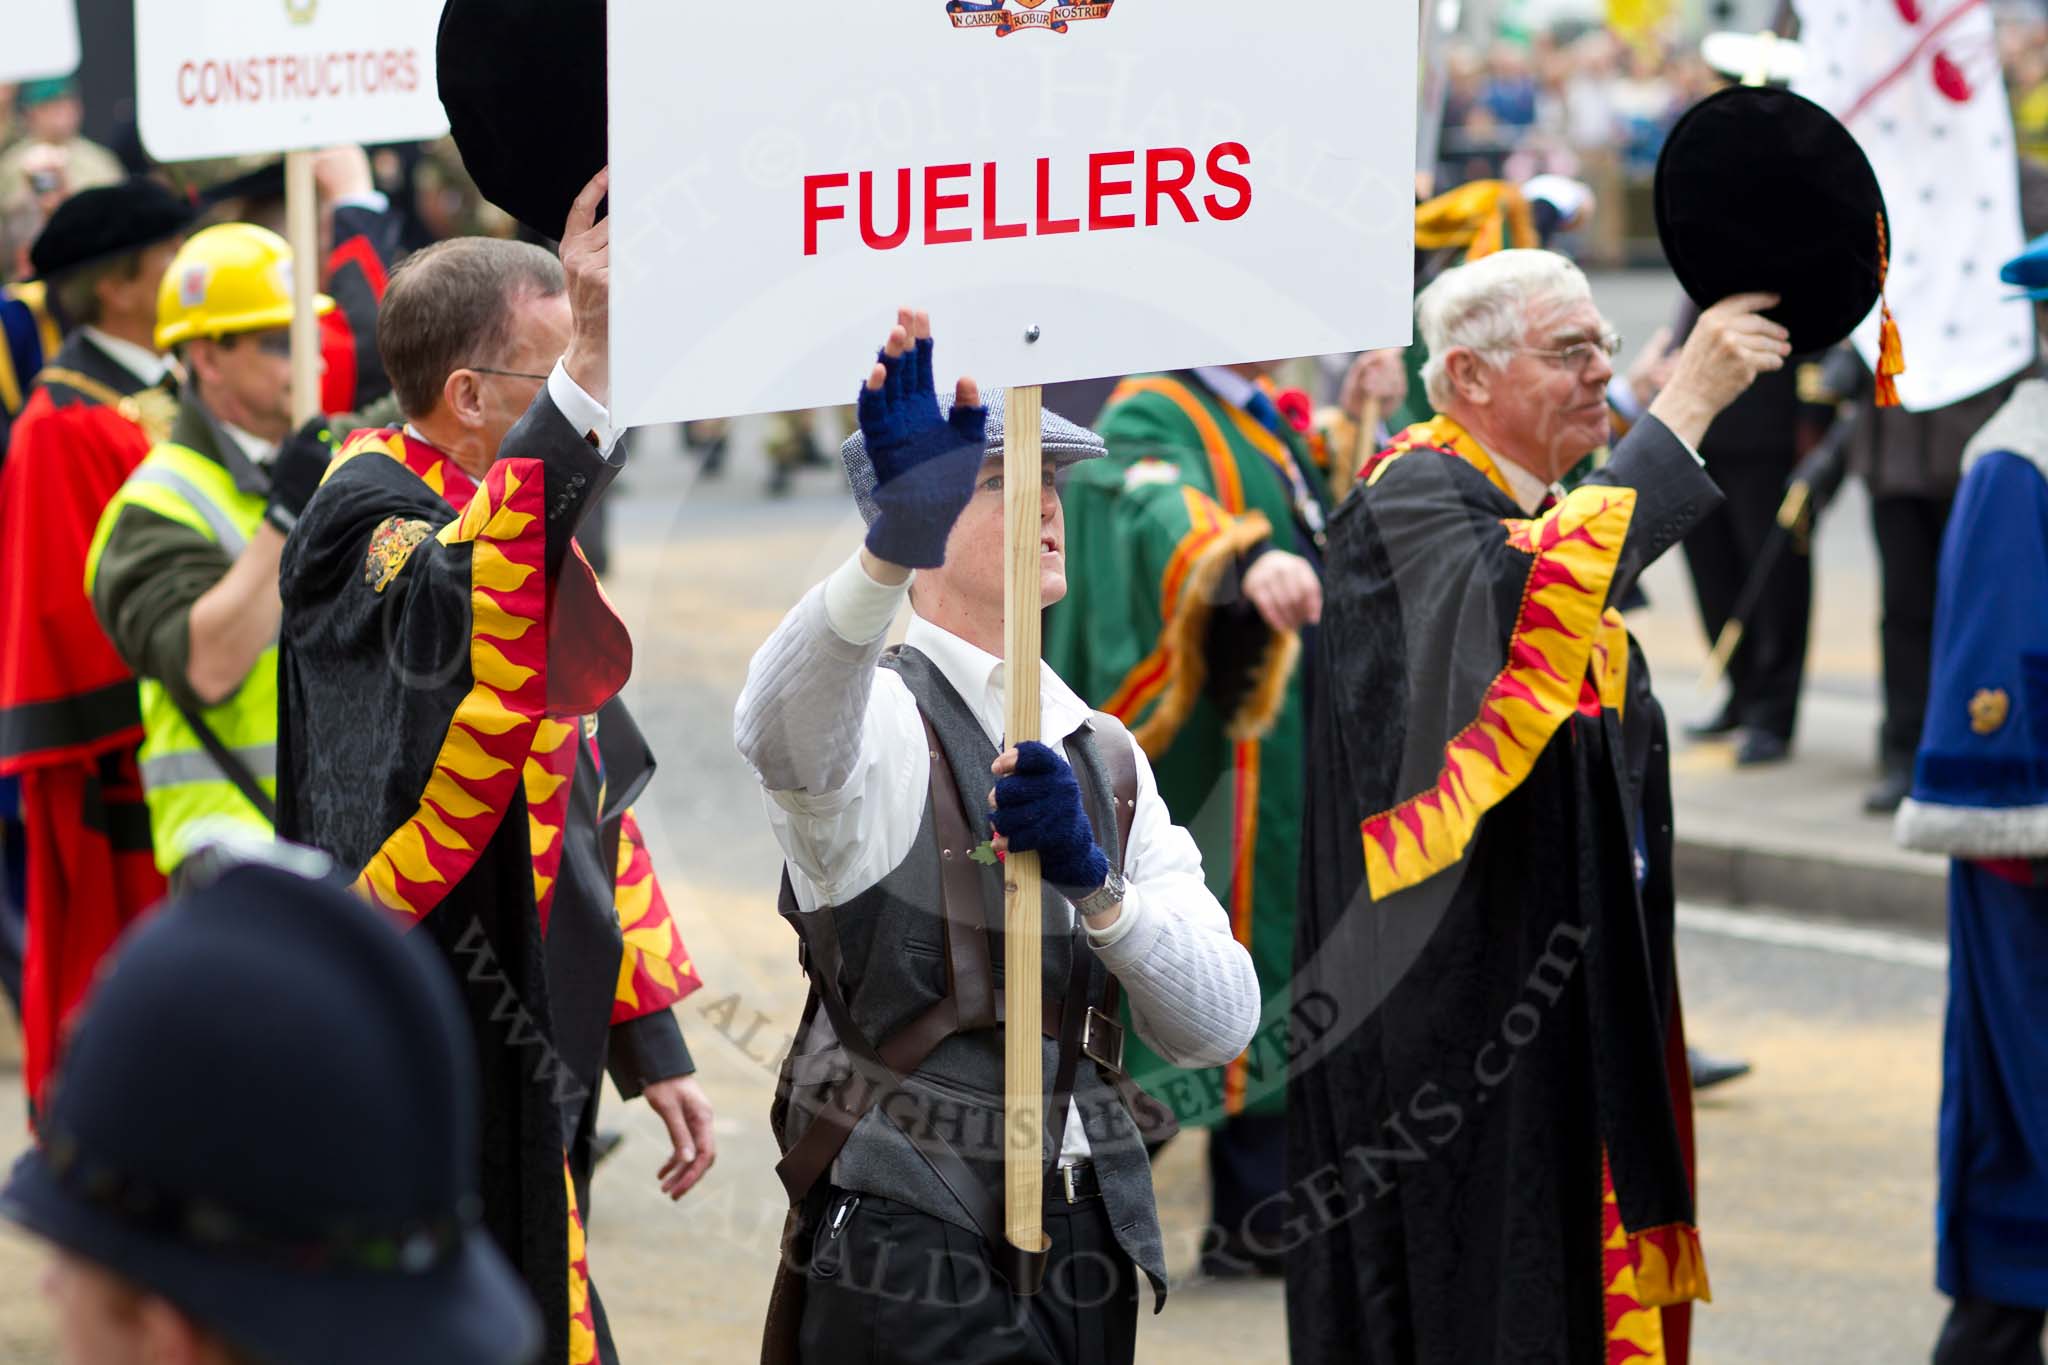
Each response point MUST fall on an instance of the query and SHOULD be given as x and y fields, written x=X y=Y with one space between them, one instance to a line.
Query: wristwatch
x=1104 y=898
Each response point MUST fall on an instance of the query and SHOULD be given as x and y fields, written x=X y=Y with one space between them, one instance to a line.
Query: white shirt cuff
x=581 y=410
x=375 y=201
x=1132 y=915
x=1686 y=446
x=858 y=608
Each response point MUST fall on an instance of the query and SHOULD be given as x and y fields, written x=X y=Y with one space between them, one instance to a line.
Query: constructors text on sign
x=279 y=78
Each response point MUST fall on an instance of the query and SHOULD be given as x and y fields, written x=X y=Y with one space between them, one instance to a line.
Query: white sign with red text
x=1073 y=190
x=216 y=78
x=41 y=40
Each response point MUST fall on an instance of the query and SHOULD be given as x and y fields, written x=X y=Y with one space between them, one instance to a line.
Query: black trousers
x=13 y=906
x=1765 y=674
x=1979 y=1332
x=1908 y=532
x=1247 y=1167
x=888 y=1285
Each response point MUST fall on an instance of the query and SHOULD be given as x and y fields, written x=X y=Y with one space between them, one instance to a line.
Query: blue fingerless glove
x=1038 y=809
x=925 y=462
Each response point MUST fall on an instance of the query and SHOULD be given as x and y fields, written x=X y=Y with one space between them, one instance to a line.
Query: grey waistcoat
x=892 y=946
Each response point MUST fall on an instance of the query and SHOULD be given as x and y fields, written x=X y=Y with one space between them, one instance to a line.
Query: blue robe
x=1980 y=795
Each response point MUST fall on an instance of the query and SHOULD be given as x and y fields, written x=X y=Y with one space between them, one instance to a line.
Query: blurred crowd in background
x=1578 y=100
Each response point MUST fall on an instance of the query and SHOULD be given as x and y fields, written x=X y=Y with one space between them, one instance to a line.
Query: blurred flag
x=1918 y=83
x=1637 y=22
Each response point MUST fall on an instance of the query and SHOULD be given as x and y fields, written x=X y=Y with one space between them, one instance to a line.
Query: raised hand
x=925 y=461
x=587 y=262
x=1731 y=344
x=1378 y=375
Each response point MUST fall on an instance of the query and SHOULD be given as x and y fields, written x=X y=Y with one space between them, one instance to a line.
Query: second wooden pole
x=302 y=230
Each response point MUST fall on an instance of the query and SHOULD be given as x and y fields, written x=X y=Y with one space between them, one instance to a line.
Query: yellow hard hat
x=233 y=277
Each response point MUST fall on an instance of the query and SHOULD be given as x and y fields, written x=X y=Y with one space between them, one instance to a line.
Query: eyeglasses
x=1579 y=355
x=508 y=374
x=273 y=343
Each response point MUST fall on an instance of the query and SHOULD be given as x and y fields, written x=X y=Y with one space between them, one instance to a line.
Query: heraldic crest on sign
x=1005 y=21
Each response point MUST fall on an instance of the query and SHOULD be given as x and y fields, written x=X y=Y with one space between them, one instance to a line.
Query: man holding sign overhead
x=452 y=736
x=895 y=798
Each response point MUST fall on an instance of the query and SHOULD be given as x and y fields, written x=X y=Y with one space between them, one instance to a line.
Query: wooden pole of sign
x=1351 y=459
x=302 y=231
x=1023 y=1075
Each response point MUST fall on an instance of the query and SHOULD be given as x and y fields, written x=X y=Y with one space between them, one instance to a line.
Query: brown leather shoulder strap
x=1121 y=760
x=968 y=968
x=1155 y=1121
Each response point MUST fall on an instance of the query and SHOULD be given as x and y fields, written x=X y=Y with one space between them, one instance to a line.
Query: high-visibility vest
x=190 y=798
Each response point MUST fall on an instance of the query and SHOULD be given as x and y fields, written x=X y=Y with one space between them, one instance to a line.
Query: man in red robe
x=69 y=722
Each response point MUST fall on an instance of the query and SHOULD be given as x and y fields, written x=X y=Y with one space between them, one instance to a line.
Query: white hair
x=1486 y=307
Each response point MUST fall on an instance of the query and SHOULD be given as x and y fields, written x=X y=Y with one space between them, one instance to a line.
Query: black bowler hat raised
x=1763 y=191
x=106 y=221
x=523 y=82
x=268 y=1116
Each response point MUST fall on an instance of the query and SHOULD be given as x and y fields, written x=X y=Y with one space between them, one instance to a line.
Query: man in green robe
x=1197 y=554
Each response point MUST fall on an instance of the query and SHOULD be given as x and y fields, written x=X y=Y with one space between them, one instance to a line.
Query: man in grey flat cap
x=893 y=804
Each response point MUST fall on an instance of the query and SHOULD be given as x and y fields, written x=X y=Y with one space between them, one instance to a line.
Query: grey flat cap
x=1063 y=442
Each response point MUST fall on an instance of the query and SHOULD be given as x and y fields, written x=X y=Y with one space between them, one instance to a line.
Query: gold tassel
x=1891 y=352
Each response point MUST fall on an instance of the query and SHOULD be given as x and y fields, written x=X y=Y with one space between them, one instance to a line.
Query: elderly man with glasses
x=1489 y=1146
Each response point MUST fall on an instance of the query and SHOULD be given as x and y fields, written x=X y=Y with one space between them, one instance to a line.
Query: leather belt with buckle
x=1102 y=1040
x=1074 y=1184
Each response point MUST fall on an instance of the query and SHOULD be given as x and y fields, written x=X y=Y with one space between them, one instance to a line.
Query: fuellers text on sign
x=938 y=205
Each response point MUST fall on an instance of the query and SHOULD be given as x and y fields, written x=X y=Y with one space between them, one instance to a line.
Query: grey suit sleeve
x=1673 y=495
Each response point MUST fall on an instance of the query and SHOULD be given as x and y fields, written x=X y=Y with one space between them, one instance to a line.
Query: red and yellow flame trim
x=1444 y=436
x=549 y=777
x=582 y=1316
x=1566 y=653
x=491 y=731
x=434 y=469
x=1644 y=1273
x=655 y=970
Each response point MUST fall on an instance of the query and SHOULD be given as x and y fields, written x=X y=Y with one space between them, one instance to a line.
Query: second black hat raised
x=1763 y=191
